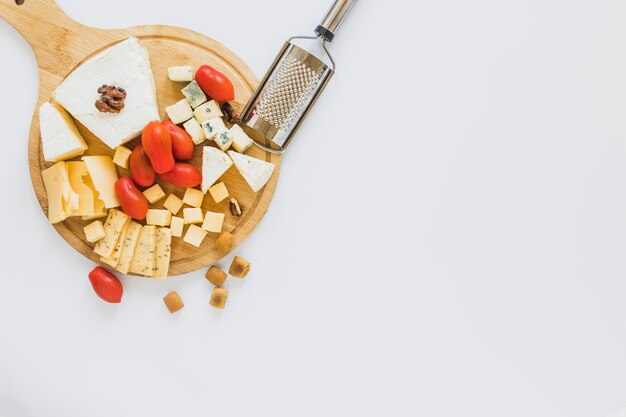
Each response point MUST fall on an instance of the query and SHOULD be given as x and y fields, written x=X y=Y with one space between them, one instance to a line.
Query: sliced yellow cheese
x=163 y=252
x=99 y=211
x=77 y=172
x=62 y=200
x=113 y=227
x=144 y=257
x=128 y=250
x=104 y=176
x=114 y=259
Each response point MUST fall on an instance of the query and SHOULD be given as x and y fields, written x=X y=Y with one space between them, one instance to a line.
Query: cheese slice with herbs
x=77 y=172
x=113 y=227
x=114 y=259
x=163 y=252
x=128 y=249
x=255 y=171
x=62 y=200
x=60 y=139
x=125 y=65
x=144 y=257
x=215 y=163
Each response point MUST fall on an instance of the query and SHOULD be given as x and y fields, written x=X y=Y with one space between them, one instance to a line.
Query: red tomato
x=215 y=84
x=134 y=203
x=183 y=175
x=182 y=145
x=157 y=142
x=106 y=285
x=140 y=168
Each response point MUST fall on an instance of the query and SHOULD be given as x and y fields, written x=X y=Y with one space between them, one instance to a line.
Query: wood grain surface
x=61 y=45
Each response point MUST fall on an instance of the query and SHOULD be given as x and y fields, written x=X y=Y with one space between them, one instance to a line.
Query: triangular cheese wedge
x=214 y=164
x=125 y=65
x=256 y=172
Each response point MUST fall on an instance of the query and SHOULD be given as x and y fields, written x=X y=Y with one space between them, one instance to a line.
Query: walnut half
x=111 y=99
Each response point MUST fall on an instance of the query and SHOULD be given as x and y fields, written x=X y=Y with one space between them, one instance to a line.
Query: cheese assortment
x=114 y=96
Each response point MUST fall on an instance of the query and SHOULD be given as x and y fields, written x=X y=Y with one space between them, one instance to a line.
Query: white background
x=448 y=237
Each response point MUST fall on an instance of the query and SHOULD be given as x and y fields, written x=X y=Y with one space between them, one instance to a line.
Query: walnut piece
x=111 y=99
x=229 y=113
x=235 y=208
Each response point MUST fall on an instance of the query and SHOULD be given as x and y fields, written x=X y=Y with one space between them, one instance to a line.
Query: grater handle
x=335 y=16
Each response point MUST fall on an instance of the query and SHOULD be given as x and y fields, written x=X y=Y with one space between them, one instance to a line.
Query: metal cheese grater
x=293 y=83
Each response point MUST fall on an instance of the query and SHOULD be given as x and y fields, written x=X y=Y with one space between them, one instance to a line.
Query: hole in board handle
x=19 y=2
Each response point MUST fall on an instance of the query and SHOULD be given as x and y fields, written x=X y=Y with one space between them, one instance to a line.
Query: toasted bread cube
x=225 y=242
x=177 y=225
x=173 y=302
x=239 y=268
x=154 y=194
x=161 y=218
x=218 y=298
x=179 y=112
x=173 y=204
x=219 y=192
x=216 y=276
x=122 y=156
x=195 y=236
x=193 y=215
x=195 y=131
x=94 y=231
x=193 y=197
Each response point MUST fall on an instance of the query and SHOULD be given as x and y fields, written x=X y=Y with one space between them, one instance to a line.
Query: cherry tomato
x=182 y=145
x=106 y=285
x=215 y=84
x=134 y=203
x=183 y=175
x=140 y=168
x=157 y=142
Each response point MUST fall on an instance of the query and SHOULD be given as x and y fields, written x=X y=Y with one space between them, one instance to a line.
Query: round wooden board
x=62 y=44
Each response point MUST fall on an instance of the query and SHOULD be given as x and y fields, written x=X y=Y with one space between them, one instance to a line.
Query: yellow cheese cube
x=77 y=172
x=144 y=257
x=159 y=218
x=163 y=252
x=219 y=192
x=113 y=227
x=193 y=215
x=122 y=156
x=128 y=249
x=173 y=204
x=104 y=176
x=177 y=225
x=193 y=197
x=154 y=194
x=195 y=235
x=213 y=222
x=94 y=231
x=62 y=200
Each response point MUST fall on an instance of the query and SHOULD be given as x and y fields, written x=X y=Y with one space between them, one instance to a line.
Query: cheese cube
x=104 y=176
x=78 y=174
x=179 y=112
x=241 y=141
x=62 y=200
x=224 y=140
x=213 y=127
x=144 y=258
x=154 y=194
x=195 y=131
x=195 y=236
x=60 y=139
x=214 y=164
x=181 y=74
x=255 y=171
x=99 y=211
x=114 y=259
x=195 y=95
x=208 y=111
x=173 y=204
x=193 y=215
x=159 y=217
x=193 y=197
x=219 y=192
x=213 y=222
x=177 y=226
x=128 y=249
x=113 y=227
x=163 y=253
x=122 y=156
x=94 y=231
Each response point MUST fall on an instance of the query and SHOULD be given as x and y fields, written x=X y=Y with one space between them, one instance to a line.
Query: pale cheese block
x=122 y=156
x=173 y=204
x=181 y=73
x=193 y=197
x=241 y=141
x=130 y=244
x=154 y=194
x=77 y=172
x=113 y=227
x=194 y=94
x=208 y=111
x=213 y=127
x=179 y=112
x=62 y=200
x=195 y=131
x=215 y=163
x=94 y=231
x=104 y=176
x=193 y=215
x=213 y=222
x=255 y=171
x=125 y=65
x=144 y=258
x=163 y=253
x=177 y=226
x=195 y=235
x=159 y=217
x=60 y=139
x=219 y=192
x=114 y=259
x=99 y=211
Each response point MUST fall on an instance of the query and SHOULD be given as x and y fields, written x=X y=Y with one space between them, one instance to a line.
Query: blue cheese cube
x=241 y=141
x=179 y=112
x=213 y=127
x=224 y=140
x=195 y=95
x=195 y=131
x=208 y=111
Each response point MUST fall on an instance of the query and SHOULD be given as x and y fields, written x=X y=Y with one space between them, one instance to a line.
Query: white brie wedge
x=256 y=172
x=214 y=164
x=125 y=65
x=59 y=137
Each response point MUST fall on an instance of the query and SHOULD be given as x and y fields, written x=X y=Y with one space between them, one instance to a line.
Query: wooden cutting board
x=61 y=45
